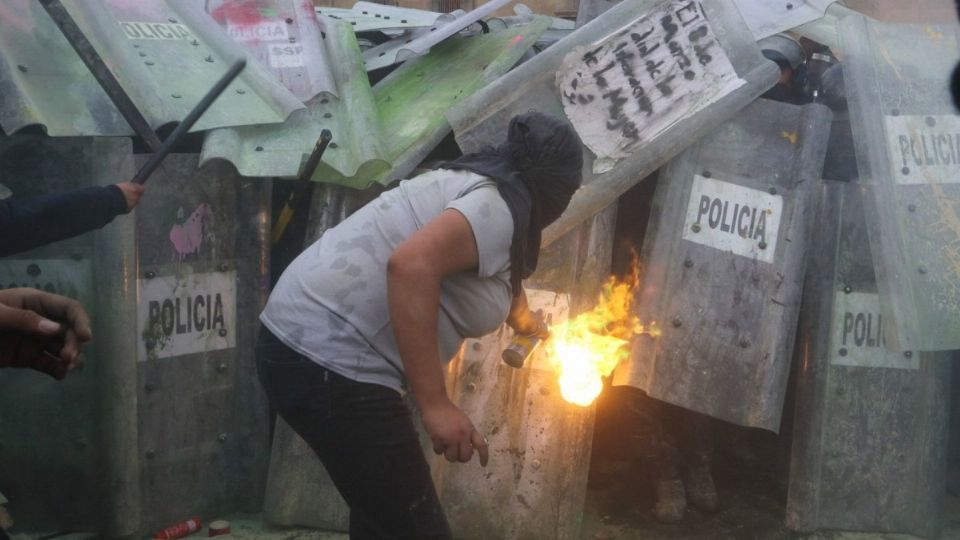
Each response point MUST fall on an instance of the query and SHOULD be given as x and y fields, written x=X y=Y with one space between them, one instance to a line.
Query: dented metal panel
x=347 y=108
x=369 y=16
x=285 y=37
x=535 y=485
x=870 y=430
x=165 y=54
x=421 y=41
x=765 y=18
x=724 y=259
x=482 y=119
x=201 y=282
x=908 y=151
x=378 y=137
x=65 y=443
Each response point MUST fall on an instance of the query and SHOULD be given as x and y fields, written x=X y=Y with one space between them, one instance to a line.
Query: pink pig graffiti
x=188 y=238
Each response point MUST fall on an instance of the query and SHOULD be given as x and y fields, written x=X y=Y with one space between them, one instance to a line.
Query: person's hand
x=453 y=434
x=42 y=331
x=132 y=193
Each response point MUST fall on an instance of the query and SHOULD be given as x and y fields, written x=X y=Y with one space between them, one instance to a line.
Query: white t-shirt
x=330 y=304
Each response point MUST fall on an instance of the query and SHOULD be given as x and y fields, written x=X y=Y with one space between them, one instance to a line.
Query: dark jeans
x=365 y=438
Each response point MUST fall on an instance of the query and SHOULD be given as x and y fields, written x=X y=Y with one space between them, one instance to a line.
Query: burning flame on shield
x=589 y=346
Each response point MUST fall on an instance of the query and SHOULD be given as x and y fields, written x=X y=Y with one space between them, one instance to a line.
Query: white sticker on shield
x=857 y=337
x=924 y=149
x=193 y=313
x=733 y=218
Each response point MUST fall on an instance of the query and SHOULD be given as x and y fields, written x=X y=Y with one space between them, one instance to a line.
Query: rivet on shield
x=195 y=43
x=209 y=59
x=843 y=351
x=241 y=91
x=222 y=437
x=688 y=263
x=895 y=112
x=676 y=322
x=222 y=267
x=762 y=245
x=905 y=170
x=744 y=343
x=149 y=62
x=695 y=227
x=222 y=367
x=931 y=121
x=151 y=454
x=22 y=68
x=171 y=19
x=922 y=269
x=706 y=174
x=258 y=149
x=150 y=274
x=176 y=96
x=223 y=332
x=911 y=208
x=848 y=289
x=150 y=387
x=33 y=270
x=908 y=354
x=772 y=191
x=289 y=20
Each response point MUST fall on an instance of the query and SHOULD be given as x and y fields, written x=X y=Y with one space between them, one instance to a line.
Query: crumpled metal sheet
x=279 y=150
x=482 y=120
x=421 y=41
x=766 y=18
x=413 y=99
x=368 y=16
x=165 y=54
x=285 y=36
x=383 y=134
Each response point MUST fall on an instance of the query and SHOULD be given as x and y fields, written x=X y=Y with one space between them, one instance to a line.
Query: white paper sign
x=858 y=339
x=733 y=218
x=626 y=89
x=924 y=149
x=179 y=315
x=275 y=30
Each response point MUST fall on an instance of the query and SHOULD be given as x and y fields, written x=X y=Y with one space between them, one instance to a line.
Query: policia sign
x=185 y=315
x=733 y=218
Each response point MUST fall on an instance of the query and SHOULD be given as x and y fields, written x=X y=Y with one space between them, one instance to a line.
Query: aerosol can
x=522 y=347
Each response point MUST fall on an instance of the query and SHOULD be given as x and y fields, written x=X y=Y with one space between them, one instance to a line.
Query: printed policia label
x=275 y=30
x=924 y=149
x=179 y=315
x=626 y=89
x=733 y=218
x=858 y=338
x=156 y=30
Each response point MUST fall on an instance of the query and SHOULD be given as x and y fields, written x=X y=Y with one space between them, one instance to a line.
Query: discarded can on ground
x=179 y=530
x=220 y=527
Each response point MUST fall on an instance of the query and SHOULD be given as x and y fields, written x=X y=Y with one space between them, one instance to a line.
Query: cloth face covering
x=537 y=170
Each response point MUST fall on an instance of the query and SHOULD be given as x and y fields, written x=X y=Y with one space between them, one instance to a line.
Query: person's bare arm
x=444 y=247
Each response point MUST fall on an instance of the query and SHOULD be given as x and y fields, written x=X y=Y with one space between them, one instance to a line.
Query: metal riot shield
x=907 y=134
x=870 y=431
x=535 y=484
x=68 y=448
x=724 y=258
x=202 y=278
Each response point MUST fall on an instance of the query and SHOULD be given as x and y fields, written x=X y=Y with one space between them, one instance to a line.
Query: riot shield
x=724 y=258
x=64 y=444
x=869 y=439
x=907 y=137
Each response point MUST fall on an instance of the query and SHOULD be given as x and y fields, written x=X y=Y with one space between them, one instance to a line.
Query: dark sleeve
x=34 y=221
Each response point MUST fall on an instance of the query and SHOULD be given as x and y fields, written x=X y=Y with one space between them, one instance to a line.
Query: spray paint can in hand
x=522 y=347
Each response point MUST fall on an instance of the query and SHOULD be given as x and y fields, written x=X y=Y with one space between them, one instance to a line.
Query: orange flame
x=588 y=347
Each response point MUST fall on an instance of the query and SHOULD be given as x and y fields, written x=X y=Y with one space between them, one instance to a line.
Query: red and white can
x=179 y=530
